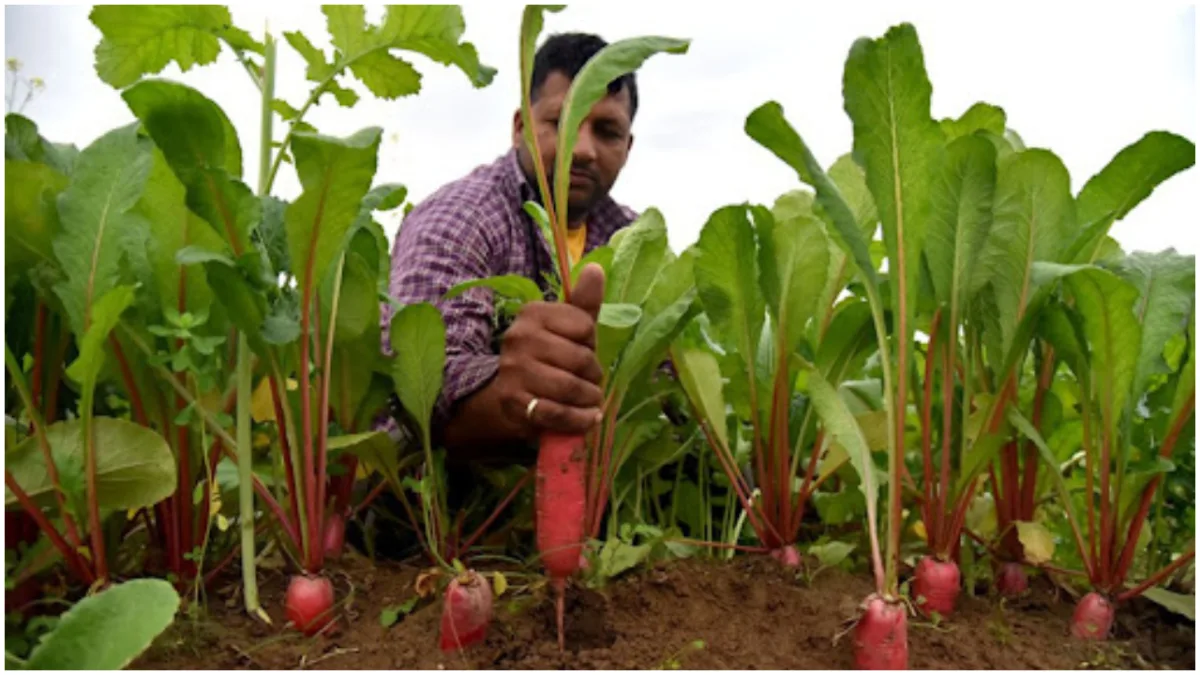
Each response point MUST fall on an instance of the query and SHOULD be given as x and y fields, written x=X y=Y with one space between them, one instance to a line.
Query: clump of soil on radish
x=751 y=613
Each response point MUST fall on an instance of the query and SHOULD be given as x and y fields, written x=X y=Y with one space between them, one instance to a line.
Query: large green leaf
x=142 y=40
x=671 y=303
x=134 y=465
x=357 y=302
x=589 y=87
x=1133 y=174
x=960 y=218
x=108 y=630
x=726 y=273
x=637 y=258
x=767 y=126
x=1184 y=605
x=94 y=213
x=432 y=31
x=1034 y=220
x=887 y=97
x=614 y=327
x=106 y=313
x=201 y=145
x=1107 y=305
x=1166 y=285
x=793 y=258
x=22 y=142
x=173 y=228
x=700 y=375
x=335 y=174
x=514 y=286
x=418 y=339
x=30 y=214
x=840 y=424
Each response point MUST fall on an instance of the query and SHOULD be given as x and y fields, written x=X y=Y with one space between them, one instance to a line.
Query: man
x=501 y=392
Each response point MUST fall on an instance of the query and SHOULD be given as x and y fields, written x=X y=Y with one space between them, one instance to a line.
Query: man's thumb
x=588 y=293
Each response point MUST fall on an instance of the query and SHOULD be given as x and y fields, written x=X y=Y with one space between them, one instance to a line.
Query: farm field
x=922 y=410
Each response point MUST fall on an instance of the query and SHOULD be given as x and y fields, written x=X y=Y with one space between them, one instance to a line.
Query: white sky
x=1077 y=78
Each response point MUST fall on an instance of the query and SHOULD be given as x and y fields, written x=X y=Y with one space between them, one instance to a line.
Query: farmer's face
x=600 y=152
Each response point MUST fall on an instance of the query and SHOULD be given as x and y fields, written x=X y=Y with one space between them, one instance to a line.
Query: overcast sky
x=1080 y=79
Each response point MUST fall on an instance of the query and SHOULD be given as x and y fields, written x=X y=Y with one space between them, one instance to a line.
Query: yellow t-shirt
x=576 y=240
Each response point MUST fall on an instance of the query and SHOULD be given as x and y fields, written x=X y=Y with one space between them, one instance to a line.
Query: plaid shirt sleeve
x=443 y=242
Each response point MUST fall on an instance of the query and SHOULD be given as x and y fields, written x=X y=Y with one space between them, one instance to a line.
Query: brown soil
x=748 y=613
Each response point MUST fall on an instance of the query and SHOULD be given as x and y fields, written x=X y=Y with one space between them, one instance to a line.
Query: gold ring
x=529 y=408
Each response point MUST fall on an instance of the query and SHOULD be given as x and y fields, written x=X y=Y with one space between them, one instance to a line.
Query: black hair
x=567 y=53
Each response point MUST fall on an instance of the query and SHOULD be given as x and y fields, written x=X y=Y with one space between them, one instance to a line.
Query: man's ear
x=518 y=128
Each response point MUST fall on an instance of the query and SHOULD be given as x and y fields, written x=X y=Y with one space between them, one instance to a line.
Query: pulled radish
x=466 y=612
x=881 y=636
x=560 y=496
x=1011 y=580
x=309 y=603
x=1093 y=617
x=936 y=586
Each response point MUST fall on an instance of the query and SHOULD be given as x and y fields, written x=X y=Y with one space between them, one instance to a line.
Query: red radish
x=1093 y=618
x=560 y=491
x=881 y=636
x=335 y=535
x=1012 y=580
x=936 y=586
x=788 y=555
x=466 y=612
x=309 y=603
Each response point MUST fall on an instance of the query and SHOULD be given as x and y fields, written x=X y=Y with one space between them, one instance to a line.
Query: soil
x=748 y=613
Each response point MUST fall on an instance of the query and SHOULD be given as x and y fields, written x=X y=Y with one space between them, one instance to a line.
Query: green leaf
x=22 y=142
x=841 y=425
x=1036 y=541
x=614 y=327
x=1033 y=220
x=617 y=557
x=637 y=258
x=139 y=41
x=589 y=87
x=726 y=273
x=418 y=338
x=793 y=258
x=887 y=97
x=1133 y=174
x=386 y=76
x=831 y=552
x=700 y=375
x=358 y=306
x=435 y=31
x=134 y=465
x=30 y=214
x=1184 y=605
x=335 y=175
x=1052 y=468
x=206 y=157
x=979 y=117
x=106 y=313
x=273 y=234
x=668 y=308
x=95 y=216
x=1107 y=304
x=319 y=67
x=960 y=219
x=108 y=630
x=767 y=126
x=512 y=286
x=1166 y=286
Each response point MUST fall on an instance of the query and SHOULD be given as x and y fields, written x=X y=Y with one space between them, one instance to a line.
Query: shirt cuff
x=465 y=375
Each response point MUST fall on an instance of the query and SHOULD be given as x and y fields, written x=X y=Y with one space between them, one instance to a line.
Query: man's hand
x=549 y=353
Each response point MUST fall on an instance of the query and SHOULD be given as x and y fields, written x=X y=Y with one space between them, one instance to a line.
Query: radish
x=936 y=586
x=466 y=611
x=560 y=499
x=309 y=603
x=1093 y=617
x=881 y=636
x=335 y=536
x=787 y=555
x=1012 y=580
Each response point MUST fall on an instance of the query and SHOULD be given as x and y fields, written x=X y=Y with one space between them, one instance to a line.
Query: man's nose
x=585 y=146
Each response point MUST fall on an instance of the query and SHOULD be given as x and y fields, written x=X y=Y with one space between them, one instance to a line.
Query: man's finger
x=588 y=293
x=550 y=416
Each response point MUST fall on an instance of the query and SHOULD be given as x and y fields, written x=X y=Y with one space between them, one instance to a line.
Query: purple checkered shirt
x=471 y=228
